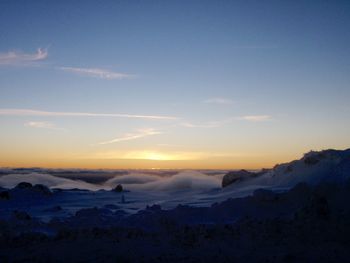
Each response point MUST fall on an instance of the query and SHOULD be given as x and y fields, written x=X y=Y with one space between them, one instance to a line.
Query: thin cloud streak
x=42 y=125
x=20 y=58
x=28 y=112
x=133 y=136
x=220 y=123
x=97 y=73
x=256 y=118
x=222 y=101
x=201 y=125
x=256 y=47
x=210 y=124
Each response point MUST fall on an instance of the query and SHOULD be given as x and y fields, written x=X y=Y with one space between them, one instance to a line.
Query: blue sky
x=246 y=83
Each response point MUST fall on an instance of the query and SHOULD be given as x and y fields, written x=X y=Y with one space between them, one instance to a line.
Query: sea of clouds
x=183 y=180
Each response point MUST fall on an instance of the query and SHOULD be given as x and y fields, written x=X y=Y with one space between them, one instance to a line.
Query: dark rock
x=42 y=189
x=118 y=188
x=24 y=185
x=320 y=206
x=289 y=169
x=4 y=195
x=301 y=189
x=263 y=171
x=311 y=160
x=265 y=195
x=236 y=176
x=38 y=188
x=154 y=208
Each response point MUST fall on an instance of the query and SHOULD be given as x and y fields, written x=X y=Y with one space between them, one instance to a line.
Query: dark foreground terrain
x=305 y=224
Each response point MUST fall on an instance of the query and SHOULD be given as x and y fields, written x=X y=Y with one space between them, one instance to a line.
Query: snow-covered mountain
x=313 y=168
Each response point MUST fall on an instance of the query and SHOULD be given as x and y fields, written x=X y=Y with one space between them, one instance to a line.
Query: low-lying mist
x=183 y=180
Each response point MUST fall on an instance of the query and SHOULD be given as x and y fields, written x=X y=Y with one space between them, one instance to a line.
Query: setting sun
x=156 y=156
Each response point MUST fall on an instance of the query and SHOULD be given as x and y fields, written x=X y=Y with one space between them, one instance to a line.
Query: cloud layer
x=256 y=118
x=51 y=181
x=42 y=125
x=97 y=73
x=141 y=133
x=220 y=123
x=20 y=58
x=185 y=180
x=28 y=112
x=210 y=124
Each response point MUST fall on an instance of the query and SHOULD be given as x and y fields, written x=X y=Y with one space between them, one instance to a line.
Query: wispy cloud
x=256 y=47
x=42 y=125
x=222 y=101
x=28 y=112
x=213 y=124
x=97 y=73
x=220 y=123
x=255 y=118
x=209 y=124
x=20 y=58
x=133 y=136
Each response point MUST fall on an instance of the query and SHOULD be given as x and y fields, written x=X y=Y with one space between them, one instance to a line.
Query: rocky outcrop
x=24 y=185
x=237 y=176
x=38 y=188
x=118 y=188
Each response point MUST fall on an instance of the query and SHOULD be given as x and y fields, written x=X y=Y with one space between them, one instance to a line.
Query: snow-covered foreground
x=296 y=211
x=187 y=187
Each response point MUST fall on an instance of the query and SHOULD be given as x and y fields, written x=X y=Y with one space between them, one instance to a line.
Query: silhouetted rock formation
x=24 y=185
x=236 y=176
x=118 y=188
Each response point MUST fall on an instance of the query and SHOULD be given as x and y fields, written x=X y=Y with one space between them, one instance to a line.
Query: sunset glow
x=222 y=86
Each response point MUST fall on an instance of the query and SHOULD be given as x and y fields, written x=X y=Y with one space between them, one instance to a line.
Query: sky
x=172 y=84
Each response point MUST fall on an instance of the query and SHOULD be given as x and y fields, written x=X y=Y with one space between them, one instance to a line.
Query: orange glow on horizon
x=149 y=161
x=145 y=159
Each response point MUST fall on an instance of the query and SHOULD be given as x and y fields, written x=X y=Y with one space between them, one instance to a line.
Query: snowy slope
x=312 y=168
